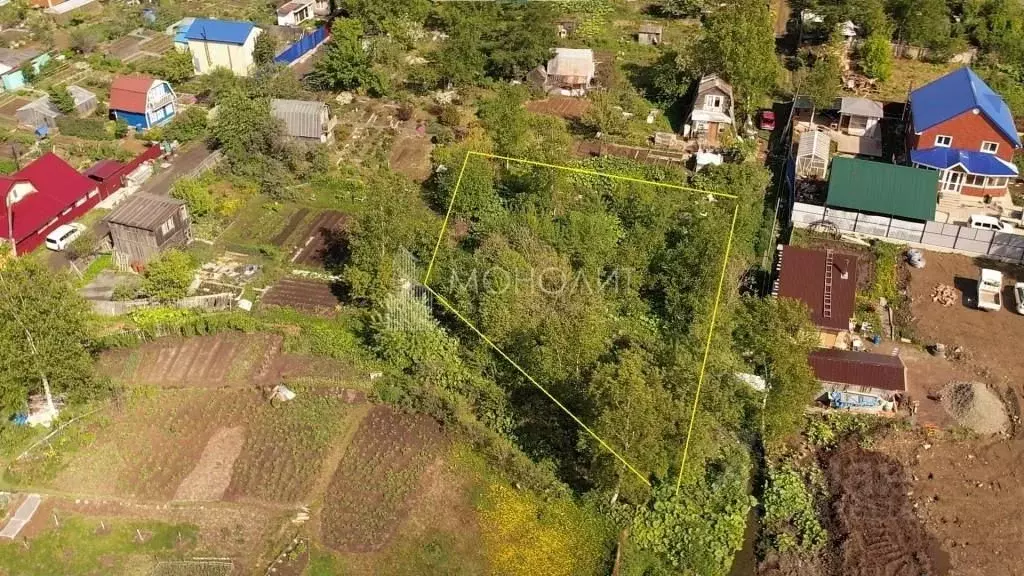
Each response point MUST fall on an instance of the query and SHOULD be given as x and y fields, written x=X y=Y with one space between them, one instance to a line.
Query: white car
x=1018 y=296
x=985 y=222
x=63 y=235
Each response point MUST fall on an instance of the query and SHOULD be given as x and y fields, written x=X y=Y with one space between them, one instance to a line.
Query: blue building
x=142 y=101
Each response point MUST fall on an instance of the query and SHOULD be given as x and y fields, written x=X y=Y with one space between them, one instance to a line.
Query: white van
x=985 y=222
x=63 y=235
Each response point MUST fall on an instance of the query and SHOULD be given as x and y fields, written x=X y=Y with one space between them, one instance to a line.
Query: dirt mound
x=877 y=530
x=974 y=406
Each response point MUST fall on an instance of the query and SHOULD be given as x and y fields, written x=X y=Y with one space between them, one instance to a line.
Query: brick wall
x=968 y=131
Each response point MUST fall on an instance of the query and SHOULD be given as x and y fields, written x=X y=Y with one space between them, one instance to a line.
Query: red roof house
x=141 y=101
x=45 y=194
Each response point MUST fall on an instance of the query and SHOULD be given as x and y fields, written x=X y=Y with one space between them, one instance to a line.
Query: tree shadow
x=335 y=252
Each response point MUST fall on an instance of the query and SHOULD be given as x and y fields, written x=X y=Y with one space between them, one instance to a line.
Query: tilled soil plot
x=203 y=360
x=374 y=484
x=876 y=525
x=314 y=296
x=325 y=244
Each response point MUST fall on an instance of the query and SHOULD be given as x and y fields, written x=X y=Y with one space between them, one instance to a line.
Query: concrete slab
x=21 y=517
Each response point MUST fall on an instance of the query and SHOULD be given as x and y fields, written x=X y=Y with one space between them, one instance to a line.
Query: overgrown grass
x=791 y=522
x=99 y=264
x=81 y=546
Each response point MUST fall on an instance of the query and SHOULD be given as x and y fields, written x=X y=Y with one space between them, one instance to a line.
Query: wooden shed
x=649 y=34
x=144 y=225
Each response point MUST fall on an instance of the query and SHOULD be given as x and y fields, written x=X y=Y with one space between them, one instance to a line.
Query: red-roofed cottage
x=142 y=101
x=45 y=194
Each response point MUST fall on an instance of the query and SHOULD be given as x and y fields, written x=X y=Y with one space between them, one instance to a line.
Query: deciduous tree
x=344 y=64
x=739 y=44
x=45 y=332
x=167 y=278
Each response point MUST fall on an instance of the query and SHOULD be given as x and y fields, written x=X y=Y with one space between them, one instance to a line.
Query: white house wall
x=207 y=56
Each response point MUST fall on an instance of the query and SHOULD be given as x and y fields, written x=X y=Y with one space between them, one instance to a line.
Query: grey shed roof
x=302 y=118
x=648 y=28
x=860 y=107
x=145 y=211
x=16 y=57
x=574 y=62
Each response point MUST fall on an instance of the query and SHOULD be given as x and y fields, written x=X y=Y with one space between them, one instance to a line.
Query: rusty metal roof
x=859 y=369
x=802 y=278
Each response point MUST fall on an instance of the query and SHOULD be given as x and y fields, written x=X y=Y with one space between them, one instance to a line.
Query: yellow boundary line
x=707 y=346
x=714 y=312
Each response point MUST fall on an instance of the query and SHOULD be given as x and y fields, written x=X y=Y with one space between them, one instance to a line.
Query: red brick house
x=45 y=194
x=962 y=128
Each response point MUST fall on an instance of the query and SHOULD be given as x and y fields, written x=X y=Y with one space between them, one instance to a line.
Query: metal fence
x=304 y=45
x=930 y=235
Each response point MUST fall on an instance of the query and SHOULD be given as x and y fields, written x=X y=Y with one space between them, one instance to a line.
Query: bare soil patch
x=410 y=156
x=202 y=361
x=210 y=478
x=325 y=242
x=878 y=531
x=990 y=340
x=969 y=494
x=568 y=108
x=314 y=296
x=372 y=488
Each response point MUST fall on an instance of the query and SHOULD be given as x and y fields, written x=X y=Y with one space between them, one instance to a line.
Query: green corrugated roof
x=881 y=188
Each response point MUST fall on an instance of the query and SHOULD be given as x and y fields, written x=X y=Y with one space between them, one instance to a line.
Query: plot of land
x=314 y=296
x=990 y=340
x=204 y=361
x=325 y=244
x=373 y=486
x=185 y=444
x=410 y=156
x=586 y=149
x=569 y=108
x=880 y=534
x=10 y=107
x=289 y=227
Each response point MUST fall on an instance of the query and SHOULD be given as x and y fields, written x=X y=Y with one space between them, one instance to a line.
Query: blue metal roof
x=980 y=163
x=956 y=93
x=222 y=31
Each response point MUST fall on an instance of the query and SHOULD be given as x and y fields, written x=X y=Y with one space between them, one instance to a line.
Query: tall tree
x=739 y=44
x=382 y=17
x=776 y=335
x=637 y=416
x=45 y=334
x=823 y=82
x=345 y=65
x=243 y=127
x=265 y=49
x=923 y=23
x=876 y=55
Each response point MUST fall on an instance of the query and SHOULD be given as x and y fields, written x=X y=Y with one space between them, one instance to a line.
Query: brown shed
x=859 y=380
x=144 y=225
x=824 y=280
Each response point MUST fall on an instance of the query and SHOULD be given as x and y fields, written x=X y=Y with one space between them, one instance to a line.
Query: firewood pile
x=944 y=294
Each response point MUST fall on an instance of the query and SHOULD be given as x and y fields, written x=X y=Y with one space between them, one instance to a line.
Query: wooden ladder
x=826 y=310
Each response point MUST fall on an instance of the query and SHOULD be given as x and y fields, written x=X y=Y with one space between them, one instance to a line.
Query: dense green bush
x=790 y=519
x=87 y=128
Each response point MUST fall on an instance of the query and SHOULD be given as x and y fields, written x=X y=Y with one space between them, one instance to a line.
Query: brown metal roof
x=803 y=278
x=145 y=211
x=859 y=369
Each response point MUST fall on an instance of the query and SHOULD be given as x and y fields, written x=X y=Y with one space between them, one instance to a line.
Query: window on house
x=93 y=193
x=997 y=182
x=167 y=227
x=989 y=147
x=944 y=141
x=712 y=102
x=80 y=202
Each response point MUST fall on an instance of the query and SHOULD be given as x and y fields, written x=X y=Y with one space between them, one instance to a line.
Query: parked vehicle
x=62 y=236
x=766 y=120
x=990 y=288
x=985 y=222
x=1018 y=295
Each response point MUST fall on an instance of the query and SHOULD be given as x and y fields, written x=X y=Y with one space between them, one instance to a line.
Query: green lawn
x=82 y=546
